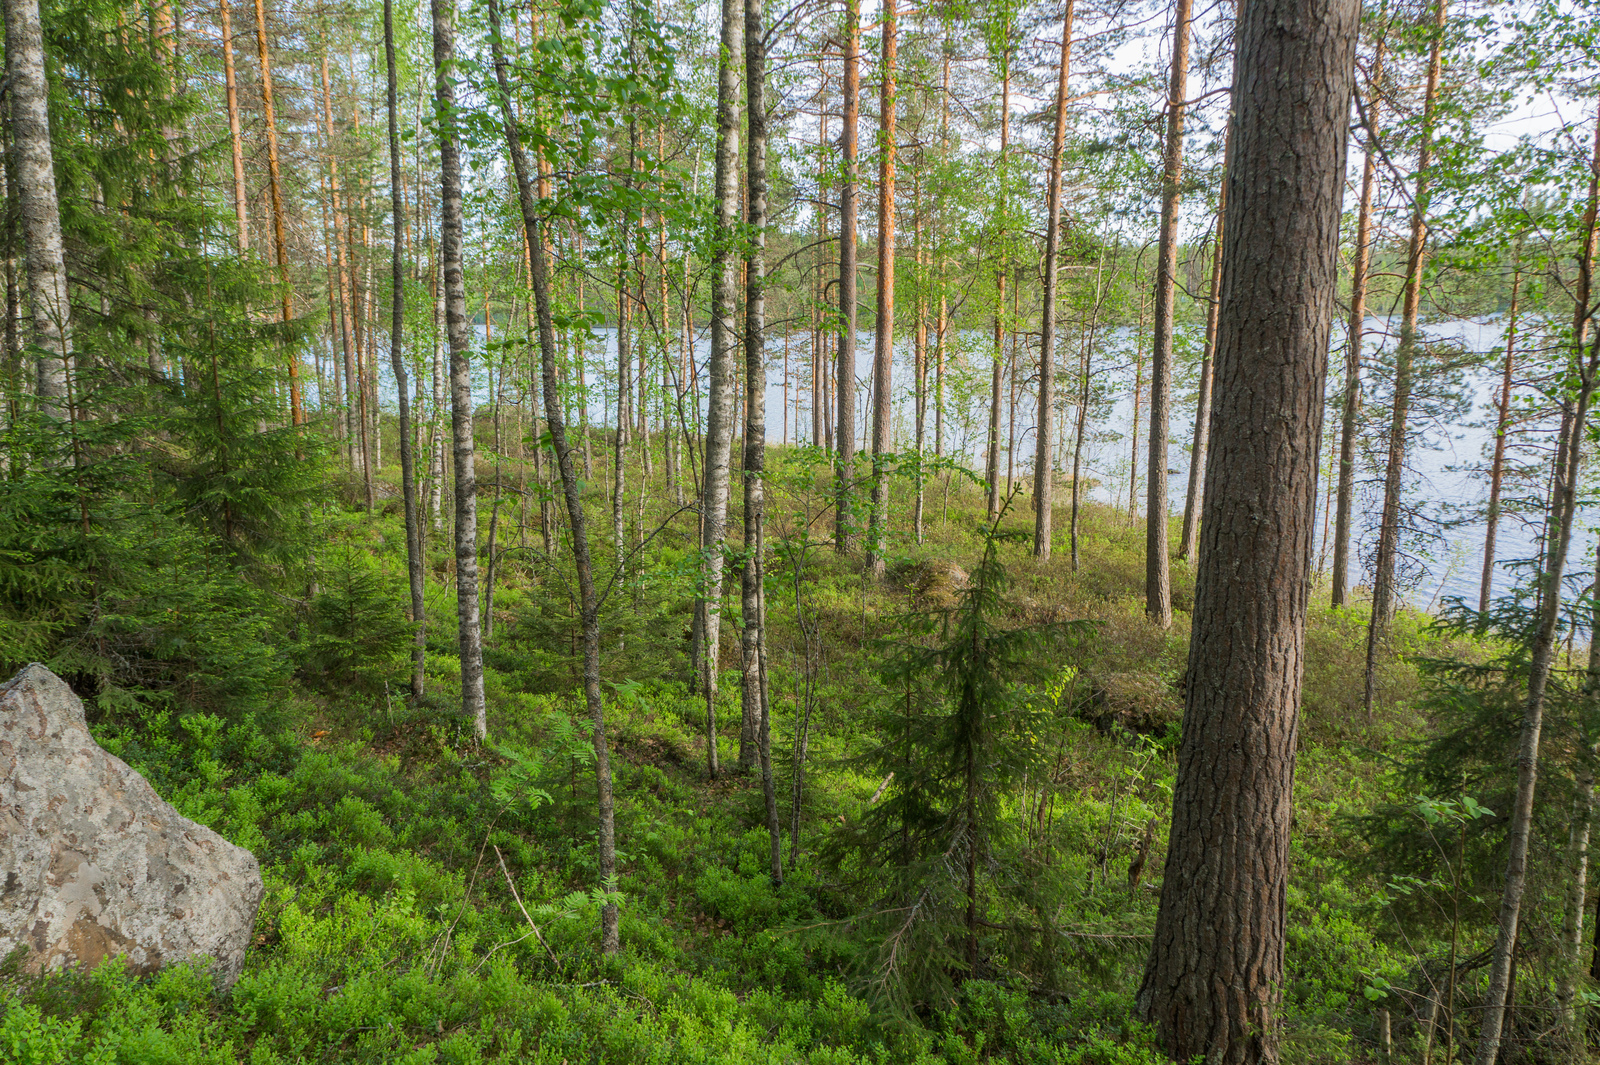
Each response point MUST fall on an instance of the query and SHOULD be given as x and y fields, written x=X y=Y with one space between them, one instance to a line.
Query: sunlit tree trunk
x=1044 y=433
x=275 y=187
x=883 y=329
x=458 y=334
x=49 y=300
x=241 y=206
x=1215 y=970
x=992 y=462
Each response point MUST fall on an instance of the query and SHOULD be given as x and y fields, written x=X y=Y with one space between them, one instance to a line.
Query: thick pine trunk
x=32 y=158
x=844 y=411
x=1158 y=566
x=1216 y=961
x=724 y=342
x=883 y=329
x=1044 y=434
x=458 y=334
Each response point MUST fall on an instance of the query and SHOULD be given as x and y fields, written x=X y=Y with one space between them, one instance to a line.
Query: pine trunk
x=1384 y=593
x=1497 y=466
x=883 y=329
x=275 y=186
x=1158 y=567
x=1355 y=332
x=241 y=207
x=1216 y=963
x=844 y=412
x=1044 y=433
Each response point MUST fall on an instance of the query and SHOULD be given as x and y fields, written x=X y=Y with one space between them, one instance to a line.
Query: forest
x=1040 y=531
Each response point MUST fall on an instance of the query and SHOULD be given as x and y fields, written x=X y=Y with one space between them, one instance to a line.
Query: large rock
x=95 y=863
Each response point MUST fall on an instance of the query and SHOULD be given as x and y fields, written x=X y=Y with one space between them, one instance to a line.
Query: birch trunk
x=555 y=418
x=457 y=332
x=32 y=158
x=719 y=386
x=757 y=702
x=408 y=471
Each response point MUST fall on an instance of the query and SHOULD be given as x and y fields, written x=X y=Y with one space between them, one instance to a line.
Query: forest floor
x=433 y=900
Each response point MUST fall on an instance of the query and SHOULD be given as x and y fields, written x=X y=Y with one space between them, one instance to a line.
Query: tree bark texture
x=458 y=334
x=1211 y=983
x=724 y=343
x=32 y=158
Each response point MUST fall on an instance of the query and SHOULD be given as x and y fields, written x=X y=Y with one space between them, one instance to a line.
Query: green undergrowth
x=432 y=900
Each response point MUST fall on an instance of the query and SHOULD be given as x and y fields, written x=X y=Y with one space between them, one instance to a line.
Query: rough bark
x=844 y=412
x=1044 y=434
x=32 y=159
x=1212 y=980
x=883 y=329
x=1354 y=333
x=555 y=419
x=458 y=334
x=1158 y=566
x=719 y=387
x=1384 y=593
